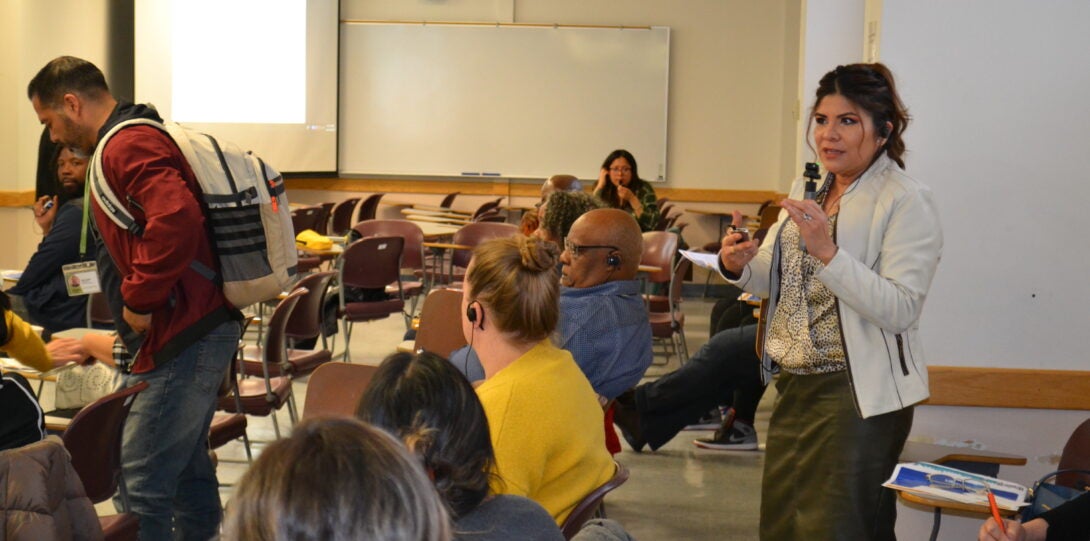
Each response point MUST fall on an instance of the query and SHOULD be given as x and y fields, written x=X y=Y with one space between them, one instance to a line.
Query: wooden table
x=433 y=208
x=433 y=231
x=328 y=253
x=435 y=218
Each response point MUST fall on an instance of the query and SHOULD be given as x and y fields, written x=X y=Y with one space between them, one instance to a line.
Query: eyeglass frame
x=945 y=480
x=620 y=169
x=575 y=249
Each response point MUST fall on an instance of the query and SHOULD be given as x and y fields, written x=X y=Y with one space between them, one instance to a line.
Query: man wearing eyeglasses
x=603 y=320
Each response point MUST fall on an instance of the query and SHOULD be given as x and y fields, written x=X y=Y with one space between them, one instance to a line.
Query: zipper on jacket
x=843 y=341
x=901 y=353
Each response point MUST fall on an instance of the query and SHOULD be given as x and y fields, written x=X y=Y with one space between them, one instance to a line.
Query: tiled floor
x=679 y=492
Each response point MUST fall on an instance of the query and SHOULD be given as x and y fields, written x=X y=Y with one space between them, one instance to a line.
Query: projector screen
x=259 y=73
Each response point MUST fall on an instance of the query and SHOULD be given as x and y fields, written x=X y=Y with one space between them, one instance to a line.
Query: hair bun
x=538 y=255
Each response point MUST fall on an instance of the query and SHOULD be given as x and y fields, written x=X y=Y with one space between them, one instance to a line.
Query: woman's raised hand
x=734 y=253
x=603 y=177
x=812 y=222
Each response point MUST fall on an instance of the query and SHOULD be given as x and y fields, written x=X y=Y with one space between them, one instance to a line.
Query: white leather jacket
x=890 y=243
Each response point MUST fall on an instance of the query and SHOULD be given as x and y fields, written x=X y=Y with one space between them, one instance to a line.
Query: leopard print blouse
x=804 y=334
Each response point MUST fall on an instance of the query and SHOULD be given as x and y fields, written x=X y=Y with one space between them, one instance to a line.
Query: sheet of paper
x=702 y=260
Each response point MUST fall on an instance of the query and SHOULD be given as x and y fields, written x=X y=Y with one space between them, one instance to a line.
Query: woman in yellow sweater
x=543 y=415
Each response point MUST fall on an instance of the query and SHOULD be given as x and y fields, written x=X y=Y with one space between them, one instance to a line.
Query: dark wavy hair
x=870 y=87
x=563 y=208
x=609 y=191
x=424 y=400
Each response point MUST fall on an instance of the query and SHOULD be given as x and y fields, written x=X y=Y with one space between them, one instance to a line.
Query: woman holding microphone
x=846 y=274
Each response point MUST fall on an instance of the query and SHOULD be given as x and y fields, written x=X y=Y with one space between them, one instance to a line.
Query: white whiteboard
x=515 y=102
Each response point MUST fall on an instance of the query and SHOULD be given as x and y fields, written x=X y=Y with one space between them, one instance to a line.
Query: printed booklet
x=936 y=481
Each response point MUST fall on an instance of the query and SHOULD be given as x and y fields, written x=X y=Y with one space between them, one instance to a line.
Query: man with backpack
x=173 y=319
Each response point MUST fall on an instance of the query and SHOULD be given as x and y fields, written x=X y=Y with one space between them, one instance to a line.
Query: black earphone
x=613 y=260
x=471 y=314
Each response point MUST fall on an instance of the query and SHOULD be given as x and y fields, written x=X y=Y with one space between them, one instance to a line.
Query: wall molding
x=1009 y=388
x=509 y=188
x=17 y=198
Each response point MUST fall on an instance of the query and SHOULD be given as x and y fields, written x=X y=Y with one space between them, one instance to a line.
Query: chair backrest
x=412 y=257
x=369 y=207
x=341 y=219
x=335 y=389
x=327 y=211
x=306 y=319
x=304 y=218
x=493 y=215
x=440 y=329
x=275 y=350
x=448 y=200
x=372 y=263
x=93 y=438
x=586 y=507
x=769 y=214
x=486 y=207
x=475 y=233
x=98 y=312
x=1076 y=455
x=659 y=248
x=664 y=213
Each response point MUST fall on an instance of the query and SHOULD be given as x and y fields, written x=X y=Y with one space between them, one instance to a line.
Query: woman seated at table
x=544 y=417
x=620 y=186
x=334 y=480
x=423 y=400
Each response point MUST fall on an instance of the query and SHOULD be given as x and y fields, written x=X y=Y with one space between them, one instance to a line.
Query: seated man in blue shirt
x=42 y=288
x=603 y=320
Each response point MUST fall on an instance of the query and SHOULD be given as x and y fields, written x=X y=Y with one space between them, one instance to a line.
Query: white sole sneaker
x=726 y=446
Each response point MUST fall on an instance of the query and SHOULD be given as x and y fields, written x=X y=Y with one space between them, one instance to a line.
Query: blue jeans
x=164 y=451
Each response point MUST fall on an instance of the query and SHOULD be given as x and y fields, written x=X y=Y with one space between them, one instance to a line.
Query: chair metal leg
x=276 y=425
x=246 y=444
x=293 y=415
x=683 y=355
x=347 y=339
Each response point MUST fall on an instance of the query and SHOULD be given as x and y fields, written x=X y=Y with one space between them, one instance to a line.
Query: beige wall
x=32 y=33
x=733 y=80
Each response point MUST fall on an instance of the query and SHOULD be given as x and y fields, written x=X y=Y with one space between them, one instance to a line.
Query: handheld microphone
x=811 y=173
x=809 y=191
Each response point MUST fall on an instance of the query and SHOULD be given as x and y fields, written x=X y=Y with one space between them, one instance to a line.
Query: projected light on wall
x=259 y=73
x=238 y=61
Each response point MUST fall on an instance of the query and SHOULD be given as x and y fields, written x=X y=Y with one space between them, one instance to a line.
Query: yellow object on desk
x=311 y=240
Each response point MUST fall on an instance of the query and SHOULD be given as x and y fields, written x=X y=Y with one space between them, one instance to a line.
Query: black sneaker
x=627 y=418
x=732 y=436
x=710 y=421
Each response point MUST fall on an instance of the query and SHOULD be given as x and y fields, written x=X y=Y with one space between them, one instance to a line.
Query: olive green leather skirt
x=824 y=465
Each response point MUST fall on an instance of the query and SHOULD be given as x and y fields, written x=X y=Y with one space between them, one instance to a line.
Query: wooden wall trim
x=17 y=198
x=1009 y=388
x=507 y=188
